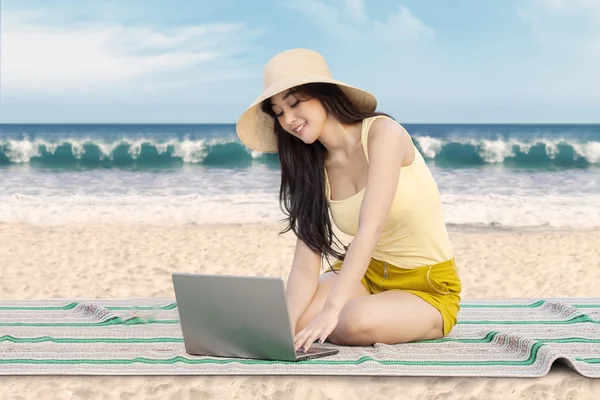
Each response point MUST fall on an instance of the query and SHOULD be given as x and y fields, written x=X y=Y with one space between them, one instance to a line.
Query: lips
x=300 y=129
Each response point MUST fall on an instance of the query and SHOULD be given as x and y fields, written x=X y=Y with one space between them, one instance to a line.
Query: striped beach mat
x=516 y=337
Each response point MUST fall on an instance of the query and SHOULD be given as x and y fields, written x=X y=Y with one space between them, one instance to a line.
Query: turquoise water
x=489 y=175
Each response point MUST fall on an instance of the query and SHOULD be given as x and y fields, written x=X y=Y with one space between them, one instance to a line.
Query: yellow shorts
x=437 y=284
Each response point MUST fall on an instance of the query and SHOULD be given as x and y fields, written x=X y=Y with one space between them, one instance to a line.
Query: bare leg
x=390 y=317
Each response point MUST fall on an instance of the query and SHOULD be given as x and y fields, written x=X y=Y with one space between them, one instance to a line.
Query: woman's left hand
x=320 y=327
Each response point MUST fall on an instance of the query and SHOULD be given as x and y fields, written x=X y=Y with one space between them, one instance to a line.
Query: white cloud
x=573 y=24
x=38 y=57
x=348 y=19
x=402 y=26
x=355 y=9
x=326 y=17
x=570 y=5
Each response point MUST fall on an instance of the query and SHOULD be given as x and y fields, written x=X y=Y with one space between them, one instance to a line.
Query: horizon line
x=234 y=123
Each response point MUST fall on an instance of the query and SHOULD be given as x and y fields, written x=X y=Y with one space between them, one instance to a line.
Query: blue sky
x=176 y=61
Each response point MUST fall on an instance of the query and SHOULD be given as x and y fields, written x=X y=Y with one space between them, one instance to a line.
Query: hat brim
x=256 y=129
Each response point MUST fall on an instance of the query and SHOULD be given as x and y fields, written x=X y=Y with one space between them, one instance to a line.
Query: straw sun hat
x=284 y=71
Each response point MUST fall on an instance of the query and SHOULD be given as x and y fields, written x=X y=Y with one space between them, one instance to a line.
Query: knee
x=353 y=328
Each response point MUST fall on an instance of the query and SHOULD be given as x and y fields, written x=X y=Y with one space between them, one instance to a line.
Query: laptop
x=237 y=316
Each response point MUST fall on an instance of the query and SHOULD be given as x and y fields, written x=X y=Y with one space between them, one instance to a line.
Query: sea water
x=499 y=176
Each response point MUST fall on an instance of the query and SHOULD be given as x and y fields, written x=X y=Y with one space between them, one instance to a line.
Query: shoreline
x=451 y=228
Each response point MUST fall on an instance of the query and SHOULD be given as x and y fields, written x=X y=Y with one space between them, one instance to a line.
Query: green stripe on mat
x=174 y=305
x=167 y=307
x=589 y=360
x=532 y=305
x=140 y=321
x=9 y=338
x=490 y=336
x=534 y=350
x=112 y=321
x=569 y=340
x=487 y=339
x=34 y=308
x=581 y=318
x=70 y=306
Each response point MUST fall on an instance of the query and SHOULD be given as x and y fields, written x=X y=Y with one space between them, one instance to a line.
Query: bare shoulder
x=387 y=128
x=386 y=132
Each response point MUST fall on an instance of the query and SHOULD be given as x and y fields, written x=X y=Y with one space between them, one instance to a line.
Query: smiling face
x=299 y=115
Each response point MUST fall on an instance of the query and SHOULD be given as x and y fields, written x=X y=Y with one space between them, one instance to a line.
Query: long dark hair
x=302 y=191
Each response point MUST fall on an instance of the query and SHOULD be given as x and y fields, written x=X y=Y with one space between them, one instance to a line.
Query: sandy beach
x=119 y=261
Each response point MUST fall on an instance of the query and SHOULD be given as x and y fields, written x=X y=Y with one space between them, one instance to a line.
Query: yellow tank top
x=414 y=233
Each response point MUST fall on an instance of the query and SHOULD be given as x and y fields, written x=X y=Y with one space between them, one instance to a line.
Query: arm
x=387 y=143
x=302 y=282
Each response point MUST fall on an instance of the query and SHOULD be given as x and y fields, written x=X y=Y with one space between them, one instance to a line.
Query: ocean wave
x=520 y=153
x=138 y=152
x=230 y=152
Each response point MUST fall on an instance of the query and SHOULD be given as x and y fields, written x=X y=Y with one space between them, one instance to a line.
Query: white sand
x=123 y=261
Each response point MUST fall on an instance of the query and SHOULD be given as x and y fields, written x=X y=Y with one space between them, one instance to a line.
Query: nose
x=290 y=118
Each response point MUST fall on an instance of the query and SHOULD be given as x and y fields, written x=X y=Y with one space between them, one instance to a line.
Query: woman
x=397 y=280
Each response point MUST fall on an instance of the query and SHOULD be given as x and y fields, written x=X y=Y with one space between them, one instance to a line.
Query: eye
x=292 y=106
